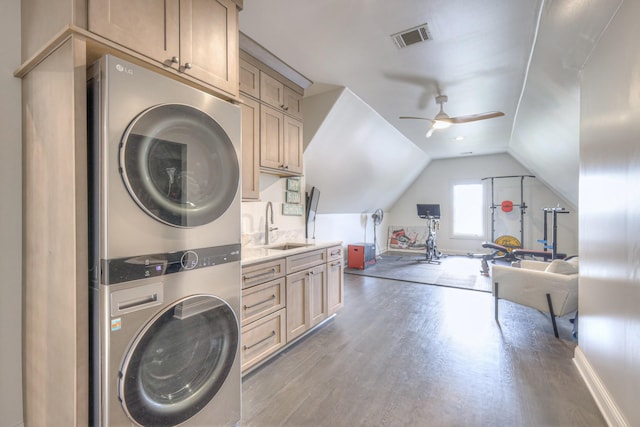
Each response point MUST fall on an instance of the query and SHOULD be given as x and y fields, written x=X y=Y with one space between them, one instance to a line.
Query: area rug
x=453 y=271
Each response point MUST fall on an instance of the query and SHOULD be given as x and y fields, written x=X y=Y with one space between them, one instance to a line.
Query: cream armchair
x=548 y=287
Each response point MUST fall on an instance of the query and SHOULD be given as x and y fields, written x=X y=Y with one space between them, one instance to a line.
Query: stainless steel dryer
x=164 y=250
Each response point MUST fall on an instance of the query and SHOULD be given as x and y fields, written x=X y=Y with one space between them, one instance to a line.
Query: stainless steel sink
x=287 y=246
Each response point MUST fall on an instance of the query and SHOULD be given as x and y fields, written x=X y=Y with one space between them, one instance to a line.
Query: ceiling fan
x=443 y=121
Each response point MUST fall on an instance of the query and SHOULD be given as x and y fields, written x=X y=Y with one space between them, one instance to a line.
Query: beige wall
x=10 y=218
x=609 y=336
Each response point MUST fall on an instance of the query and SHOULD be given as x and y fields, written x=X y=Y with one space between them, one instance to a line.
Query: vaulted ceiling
x=519 y=57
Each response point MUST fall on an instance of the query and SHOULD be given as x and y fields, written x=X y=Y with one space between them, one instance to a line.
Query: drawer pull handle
x=249 y=347
x=335 y=253
x=255 y=276
x=335 y=264
x=272 y=297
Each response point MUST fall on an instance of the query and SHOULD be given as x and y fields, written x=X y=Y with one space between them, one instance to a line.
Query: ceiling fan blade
x=474 y=117
x=416 y=118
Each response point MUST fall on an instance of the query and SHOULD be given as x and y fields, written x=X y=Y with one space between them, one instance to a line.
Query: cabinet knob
x=175 y=59
x=187 y=65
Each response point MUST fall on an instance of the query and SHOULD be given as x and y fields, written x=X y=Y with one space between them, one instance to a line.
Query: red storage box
x=361 y=255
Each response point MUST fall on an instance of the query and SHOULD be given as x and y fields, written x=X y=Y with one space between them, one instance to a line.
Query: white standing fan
x=377 y=220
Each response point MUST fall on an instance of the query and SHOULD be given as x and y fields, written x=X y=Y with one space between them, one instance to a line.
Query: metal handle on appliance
x=149 y=299
x=272 y=297
x=255 y=276
x=249 y=347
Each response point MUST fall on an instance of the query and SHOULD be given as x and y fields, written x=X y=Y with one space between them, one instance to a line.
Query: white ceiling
x=521 y=57
x=478 y=57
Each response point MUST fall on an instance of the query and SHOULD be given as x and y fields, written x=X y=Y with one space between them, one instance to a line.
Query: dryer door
x=179 y=165
x=179 y=361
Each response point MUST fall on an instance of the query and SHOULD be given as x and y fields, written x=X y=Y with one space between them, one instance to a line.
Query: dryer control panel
x=120 y=270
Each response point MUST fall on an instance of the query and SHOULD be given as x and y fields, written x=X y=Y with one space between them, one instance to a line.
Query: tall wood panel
x=55 y=278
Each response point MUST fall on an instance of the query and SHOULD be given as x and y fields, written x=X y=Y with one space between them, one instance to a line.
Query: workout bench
x=514 y=255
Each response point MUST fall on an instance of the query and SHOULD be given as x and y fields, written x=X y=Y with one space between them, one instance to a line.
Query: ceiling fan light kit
x=443 y=121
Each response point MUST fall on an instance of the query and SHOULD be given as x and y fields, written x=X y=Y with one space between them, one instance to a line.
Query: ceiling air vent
x=411 y=36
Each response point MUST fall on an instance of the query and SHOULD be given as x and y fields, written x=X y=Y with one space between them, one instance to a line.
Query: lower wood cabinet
x=284 y=298
x=335 y=286
x=262 y=338
x=306 y=300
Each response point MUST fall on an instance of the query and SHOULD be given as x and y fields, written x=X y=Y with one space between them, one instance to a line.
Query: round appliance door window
x=179 y=361
x=179 y=165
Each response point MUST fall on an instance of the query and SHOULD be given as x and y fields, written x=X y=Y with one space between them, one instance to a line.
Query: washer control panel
x=120 y=270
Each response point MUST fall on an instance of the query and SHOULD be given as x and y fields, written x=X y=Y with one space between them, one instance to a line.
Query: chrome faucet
x=267 y=229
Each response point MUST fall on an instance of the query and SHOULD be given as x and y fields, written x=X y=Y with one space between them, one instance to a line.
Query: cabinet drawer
x=262 y=338
x=335 y=253
x=263 y=272
x=260 y=300
x=305 y=260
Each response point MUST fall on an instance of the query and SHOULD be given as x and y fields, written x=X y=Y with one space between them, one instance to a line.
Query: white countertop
x=256 y=254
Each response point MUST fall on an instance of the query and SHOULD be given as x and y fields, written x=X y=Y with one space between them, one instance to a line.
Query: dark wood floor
x=405 y=354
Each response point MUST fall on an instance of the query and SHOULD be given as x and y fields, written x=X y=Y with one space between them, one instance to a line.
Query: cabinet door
x=271 y=138
x=249 y=79
x=250 y=148
x=209 y=42
x=297 y=304
x=317 y=295
x=271 y=91
x=293 y=145
x=335 y=286
x=292 y=103
x=149 y=27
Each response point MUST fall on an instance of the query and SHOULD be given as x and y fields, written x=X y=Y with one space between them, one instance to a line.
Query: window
x=468 y=217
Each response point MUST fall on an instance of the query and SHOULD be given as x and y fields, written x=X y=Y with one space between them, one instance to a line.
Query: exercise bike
x=432 y=214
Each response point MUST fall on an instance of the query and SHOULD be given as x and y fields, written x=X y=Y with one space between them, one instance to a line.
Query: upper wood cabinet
x=249 y=79
x=196 y=37
x=280 y=96
x=250 y=148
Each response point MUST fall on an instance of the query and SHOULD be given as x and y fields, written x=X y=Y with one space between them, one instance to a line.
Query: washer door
x=179 y=361
x=179 y=165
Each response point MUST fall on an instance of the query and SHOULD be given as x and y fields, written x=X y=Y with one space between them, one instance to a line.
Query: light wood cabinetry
x=305 y=260
x=263 y=316
x=335 y=279
x=263 y=272
x=262 y=338
x=281 y=97
x=249 y=79
x=281 y=127
x=285 y=298
x=280 y=141
x=306 y=300
x=306 y=291
x=250 y=148
x=195 y=37
x=263 y=299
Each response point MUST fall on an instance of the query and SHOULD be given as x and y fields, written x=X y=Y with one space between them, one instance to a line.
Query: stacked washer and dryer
x=164 y=250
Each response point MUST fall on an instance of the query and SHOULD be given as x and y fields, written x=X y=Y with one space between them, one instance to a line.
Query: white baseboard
x=605 y=402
